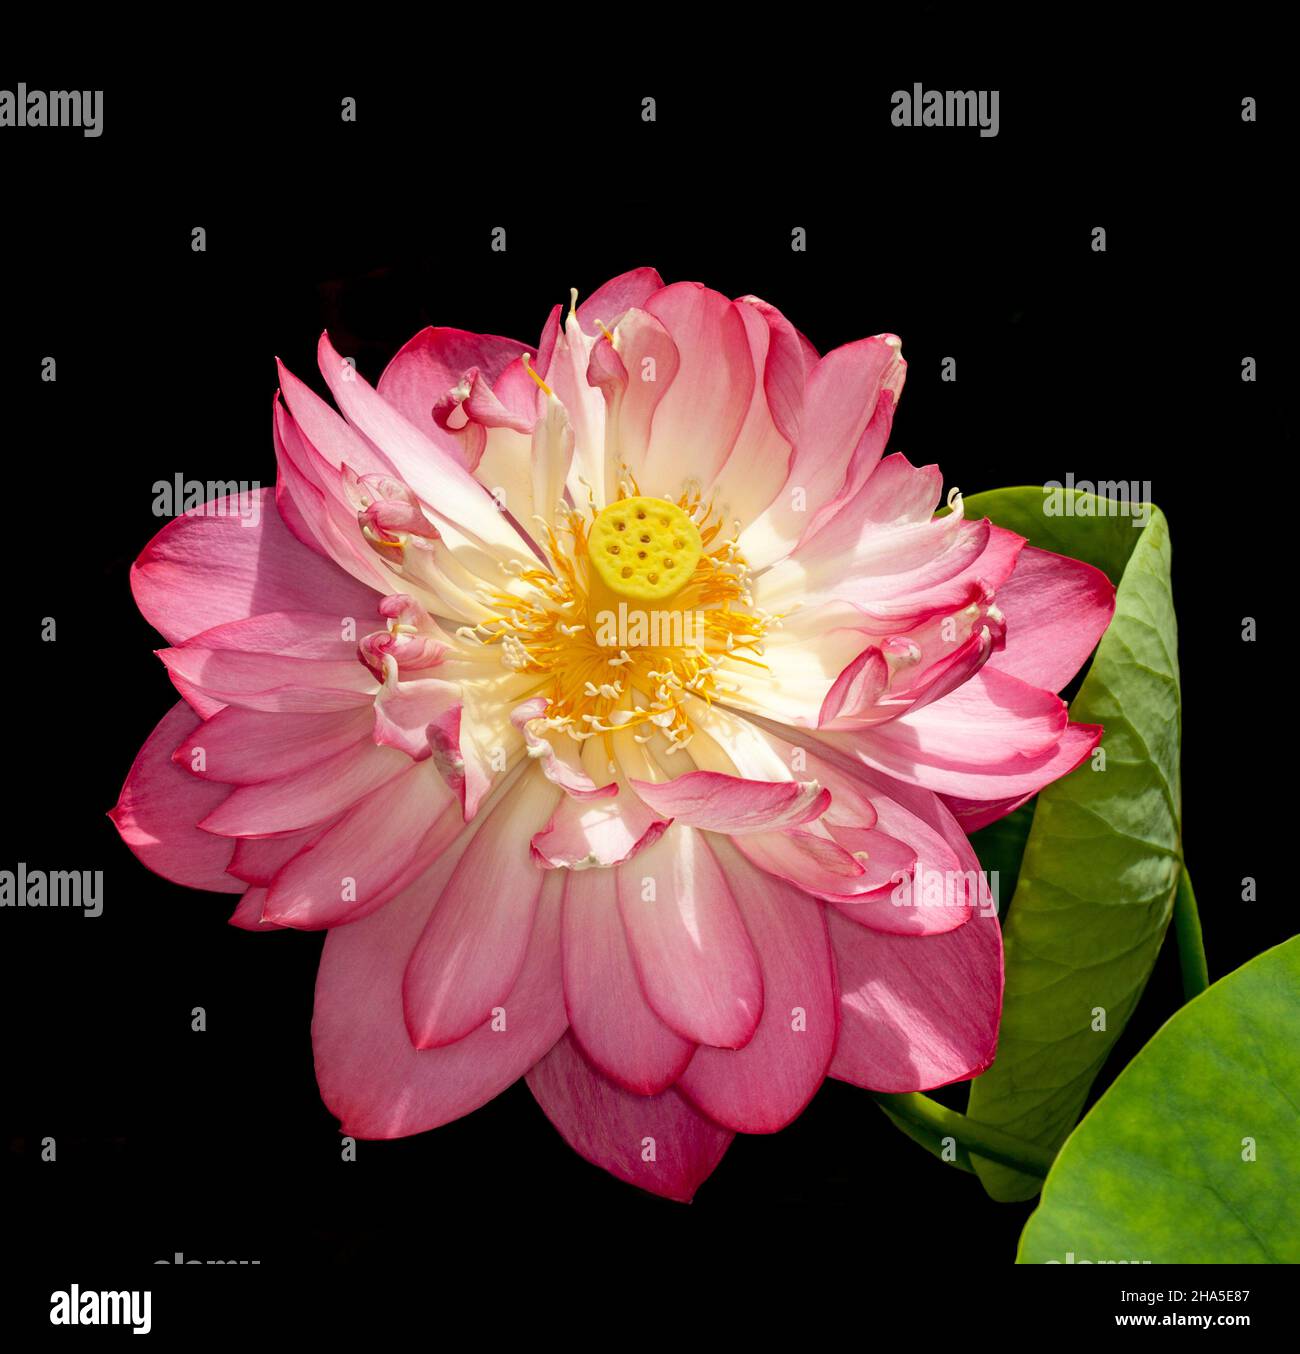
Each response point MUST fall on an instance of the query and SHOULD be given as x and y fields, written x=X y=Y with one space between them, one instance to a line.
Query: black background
x=1116 y=365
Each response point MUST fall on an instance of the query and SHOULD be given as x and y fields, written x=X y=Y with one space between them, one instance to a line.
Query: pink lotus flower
x=674 y=884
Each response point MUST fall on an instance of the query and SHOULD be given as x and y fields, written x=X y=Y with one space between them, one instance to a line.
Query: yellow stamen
x=528 y=367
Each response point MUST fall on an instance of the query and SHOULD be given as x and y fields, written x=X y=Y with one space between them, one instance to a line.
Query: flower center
x=605 y=655
x=645 y=549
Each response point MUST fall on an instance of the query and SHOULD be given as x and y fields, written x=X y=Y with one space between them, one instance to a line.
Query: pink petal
x=248 y=913
x=427 y=366
x=995 y=737
x=787 y=361
x=260 y=859
x=1076 y=744
x=989 y=720
x=611 y=299
x=246 y=747
x=311 y=498
x=695 y=961
x=405 y=710
x=301 y=508
x=701 y=413
x=1056 y=609
x=160 y=805
x=370 y=1077
x=898 y=493
x=252 y=661
x=848 y=409
x=985 y=559
x=202 y=571
x=880 y=568
x=562 y=764
x=909 y=837
x=759 y=462
x=809 y=860
x=730 y=804
x=567 y=374
x=856 y=690
x=916 y=1011
x=608 y=1012
x=763 y=1086
x=327 y=435
x=644 y=348
x=469 y=955
x=596 y=832
x=394 y=833
x=921 y=897
x=452 y=497
x=298 y=801
x=657 y=1142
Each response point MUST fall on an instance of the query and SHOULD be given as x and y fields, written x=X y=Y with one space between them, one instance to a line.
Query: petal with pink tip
x=469 y=955
x=405 y=710
x=608 y=303
x=633 y=374
x=695 y=961
x=259 y=859
x=763 y=1086
x=452 y=497
x=788 y=360
x=812 y=861
x=307 y=797
x=657 y=1142
x=847 y=412
x=875 y=566
x=994 y=737
x=275 y=661
x=330 y=437
x=926 y=890
x=207 y=570
x=365 y=858
x=701 y=413
x=856 y=691
x=848 y=409
x=427 y=366
x=1076 y=743
x=248 y=914
x=246 y=747
x=733 y=805
x=608 y=1012
x=301 y=508
x=1056 y=609
x=584 y=403
x=596 y=831
x=898 y=493
x=161 y=804
x=759 y=462
x=370 y=1077
x=311 y=497
x=916 y=1011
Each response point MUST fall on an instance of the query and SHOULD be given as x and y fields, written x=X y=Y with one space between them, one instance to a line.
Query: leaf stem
x=1191 y=948
x=979 y=1139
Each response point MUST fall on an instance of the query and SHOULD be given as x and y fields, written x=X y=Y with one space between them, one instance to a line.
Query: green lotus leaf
x=1189 y=1157
x=1096 y=882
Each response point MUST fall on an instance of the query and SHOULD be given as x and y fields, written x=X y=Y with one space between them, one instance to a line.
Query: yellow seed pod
x=644 y=548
